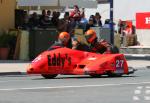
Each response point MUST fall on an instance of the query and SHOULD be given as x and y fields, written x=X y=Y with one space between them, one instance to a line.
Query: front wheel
x=49 y=76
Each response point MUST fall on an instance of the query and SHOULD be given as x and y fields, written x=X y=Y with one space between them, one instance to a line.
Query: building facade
x=127 y=9
x=7 y=14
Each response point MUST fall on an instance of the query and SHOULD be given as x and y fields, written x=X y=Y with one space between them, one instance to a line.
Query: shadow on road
x=84 y=77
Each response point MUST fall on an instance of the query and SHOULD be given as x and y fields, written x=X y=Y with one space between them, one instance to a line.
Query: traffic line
x=136 y=98
x=147 y=87
x=77 y=86
x=137 y=92
x=12 y=73
x=140 y=87
x=147 y=92
x=147 y=98
x=10 y=81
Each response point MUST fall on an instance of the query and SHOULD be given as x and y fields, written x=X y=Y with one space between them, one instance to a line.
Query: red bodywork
x=68 y=61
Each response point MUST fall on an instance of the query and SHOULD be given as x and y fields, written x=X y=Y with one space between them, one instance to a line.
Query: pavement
x=137 y=56
x=13 y=68
x=18 y=67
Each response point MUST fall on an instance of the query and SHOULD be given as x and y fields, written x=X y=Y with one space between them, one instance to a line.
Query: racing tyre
x=114 y=75
x=49 y=76
x=95 y=75
x=114 y=49
x=119 y=75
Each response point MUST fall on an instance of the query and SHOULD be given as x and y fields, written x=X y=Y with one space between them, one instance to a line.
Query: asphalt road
x=76 y=89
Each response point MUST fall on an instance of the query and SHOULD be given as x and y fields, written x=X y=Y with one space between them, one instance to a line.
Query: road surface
x=76 y=89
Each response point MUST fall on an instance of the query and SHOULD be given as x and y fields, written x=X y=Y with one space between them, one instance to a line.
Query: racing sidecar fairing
x=66 y=61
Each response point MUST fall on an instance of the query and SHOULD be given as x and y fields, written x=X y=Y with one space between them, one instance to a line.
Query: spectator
x=128 y=30
x=90 y=24
x=76 y=14
x=133 y=29
x=83 y=22
x=57 y=15
x=34 y=21
x=55 y=18
x=42 y=17
x=64 y=24
x=121 y=26
x=106 y=24
x=98 y=21
x=93 y=17
x=82 y=12
x=49 y=14
x=25 y=19
x=72 y=26
x=44 y=20
x=43 y=14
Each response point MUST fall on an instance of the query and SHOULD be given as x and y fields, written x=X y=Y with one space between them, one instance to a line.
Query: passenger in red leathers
x=101 y=46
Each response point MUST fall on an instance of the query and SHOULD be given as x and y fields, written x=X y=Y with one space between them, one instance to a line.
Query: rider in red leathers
x=64 y=40
x=101 y=46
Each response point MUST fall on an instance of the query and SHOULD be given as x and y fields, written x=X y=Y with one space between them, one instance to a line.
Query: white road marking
x=140 y=87
x=2 y=81
x=77 y=86
x=136 y=98
x=147 y=98
x=147 y=92
x=10 y=81
x=137 y=92
x=147 y=87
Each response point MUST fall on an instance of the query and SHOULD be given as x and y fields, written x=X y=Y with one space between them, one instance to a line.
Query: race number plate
x=119 y=66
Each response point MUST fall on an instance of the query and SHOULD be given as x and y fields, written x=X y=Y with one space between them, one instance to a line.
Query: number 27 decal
x=119 y=63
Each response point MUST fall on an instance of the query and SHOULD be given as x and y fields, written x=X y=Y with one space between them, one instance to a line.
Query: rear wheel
x=95 y=75
x=49 y=76
x=114 y=75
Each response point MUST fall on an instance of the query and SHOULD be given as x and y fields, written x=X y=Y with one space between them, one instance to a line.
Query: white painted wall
x=126 y=9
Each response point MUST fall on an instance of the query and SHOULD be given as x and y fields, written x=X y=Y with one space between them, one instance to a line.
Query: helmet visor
x=63 y=40
x=88 y=37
